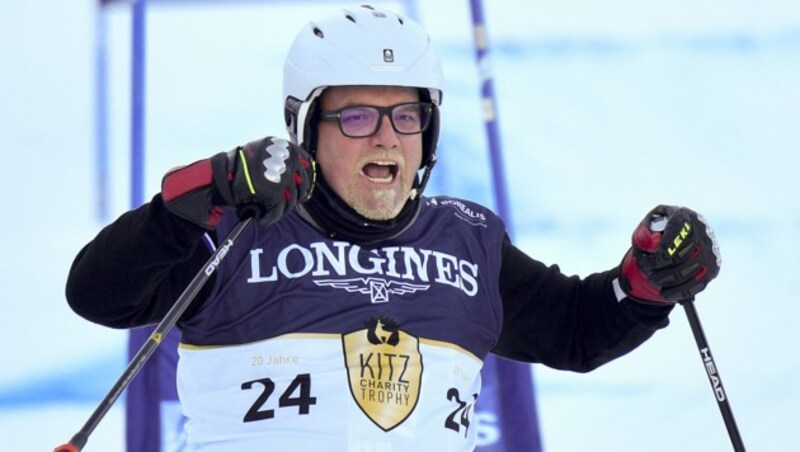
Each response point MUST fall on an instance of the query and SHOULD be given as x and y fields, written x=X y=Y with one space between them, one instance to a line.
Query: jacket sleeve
x=566 y=322
x=133 y=271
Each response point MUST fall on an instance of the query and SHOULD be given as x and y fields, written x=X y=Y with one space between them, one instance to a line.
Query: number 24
x=303 y=400
x=463 y=407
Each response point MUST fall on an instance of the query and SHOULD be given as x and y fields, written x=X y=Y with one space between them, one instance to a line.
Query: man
x=357 y=313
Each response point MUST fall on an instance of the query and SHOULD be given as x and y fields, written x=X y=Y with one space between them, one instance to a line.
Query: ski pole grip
x=251 y=210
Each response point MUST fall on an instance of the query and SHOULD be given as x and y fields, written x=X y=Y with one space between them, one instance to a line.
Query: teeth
x=375 y=178
x=380 y=180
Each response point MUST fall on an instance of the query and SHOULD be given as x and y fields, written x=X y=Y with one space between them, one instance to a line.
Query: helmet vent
x=350 y=18
x=318 y=32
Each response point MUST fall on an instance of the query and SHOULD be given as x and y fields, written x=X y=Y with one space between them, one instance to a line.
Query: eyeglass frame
x=336 y=115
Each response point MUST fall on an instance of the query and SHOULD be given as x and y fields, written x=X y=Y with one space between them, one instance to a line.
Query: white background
x=606 y=109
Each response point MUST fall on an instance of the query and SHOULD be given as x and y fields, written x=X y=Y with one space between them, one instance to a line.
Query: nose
x=385 y=136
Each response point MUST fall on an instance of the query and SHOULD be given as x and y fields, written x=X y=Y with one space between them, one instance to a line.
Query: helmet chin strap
x=417 y=191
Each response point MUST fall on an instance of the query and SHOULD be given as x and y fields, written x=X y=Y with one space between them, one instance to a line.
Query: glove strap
x=222 y=173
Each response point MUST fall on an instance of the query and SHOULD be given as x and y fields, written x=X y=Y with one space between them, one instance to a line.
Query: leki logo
x=378 y=289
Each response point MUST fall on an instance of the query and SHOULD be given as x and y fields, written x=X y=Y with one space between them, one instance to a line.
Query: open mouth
x=380 y=172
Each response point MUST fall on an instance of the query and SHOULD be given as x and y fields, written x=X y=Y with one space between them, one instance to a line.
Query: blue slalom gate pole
x=510 y=390
x=138 y=103
x=101 y=114
x=489 y=105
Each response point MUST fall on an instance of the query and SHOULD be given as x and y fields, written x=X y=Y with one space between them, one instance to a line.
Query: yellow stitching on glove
x=246 y=173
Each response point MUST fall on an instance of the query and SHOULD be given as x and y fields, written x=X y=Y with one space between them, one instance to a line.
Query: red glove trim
x=639 y=286
x=186 y=179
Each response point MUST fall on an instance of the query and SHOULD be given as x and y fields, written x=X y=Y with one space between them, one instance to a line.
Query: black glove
x=673 y=257
x=265 y=178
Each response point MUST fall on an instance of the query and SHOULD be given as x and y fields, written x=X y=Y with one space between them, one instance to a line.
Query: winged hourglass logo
x=378 y=289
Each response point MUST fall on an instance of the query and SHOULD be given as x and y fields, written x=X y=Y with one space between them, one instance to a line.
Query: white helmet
x=362 y=46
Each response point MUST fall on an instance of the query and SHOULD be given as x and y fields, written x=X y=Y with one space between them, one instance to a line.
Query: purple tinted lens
x=358 y=121
x=409 y=118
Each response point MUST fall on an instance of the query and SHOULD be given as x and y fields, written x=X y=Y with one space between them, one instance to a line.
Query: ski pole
x=713 y=375
x=79 y=440
x=659 y=224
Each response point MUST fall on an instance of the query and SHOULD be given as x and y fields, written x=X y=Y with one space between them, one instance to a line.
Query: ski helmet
x=361 y=46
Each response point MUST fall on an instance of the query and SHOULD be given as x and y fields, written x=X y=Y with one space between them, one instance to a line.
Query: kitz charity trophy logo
x=384 y=369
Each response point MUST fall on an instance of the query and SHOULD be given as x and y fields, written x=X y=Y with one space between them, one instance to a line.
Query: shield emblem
x=384 y=369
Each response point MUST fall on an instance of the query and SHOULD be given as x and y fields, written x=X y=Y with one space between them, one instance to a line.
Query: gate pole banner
x=506 y=410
